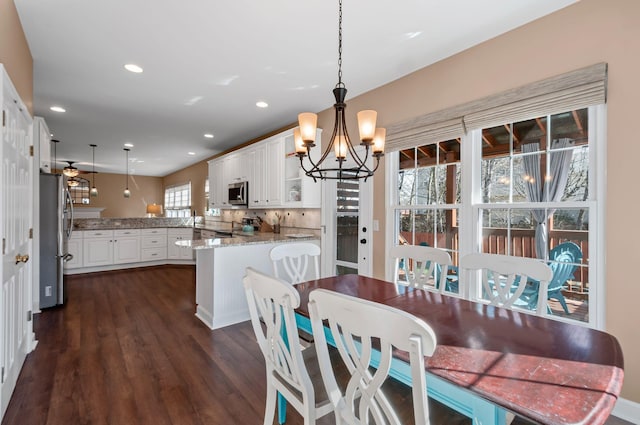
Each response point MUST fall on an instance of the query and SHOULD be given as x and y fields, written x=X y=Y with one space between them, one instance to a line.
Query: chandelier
x=350 y=165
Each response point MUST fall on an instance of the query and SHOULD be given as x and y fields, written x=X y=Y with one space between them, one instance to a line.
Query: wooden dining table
x=490 y=360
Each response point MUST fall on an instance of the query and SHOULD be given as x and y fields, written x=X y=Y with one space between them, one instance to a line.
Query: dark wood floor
x=126 y=348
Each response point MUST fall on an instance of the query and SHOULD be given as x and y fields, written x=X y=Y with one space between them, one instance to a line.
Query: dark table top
x=548 y=371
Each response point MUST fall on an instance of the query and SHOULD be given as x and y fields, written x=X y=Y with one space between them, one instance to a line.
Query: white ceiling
x=206 y=63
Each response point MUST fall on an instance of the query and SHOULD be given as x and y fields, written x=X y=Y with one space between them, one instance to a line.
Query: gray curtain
x=551 y=190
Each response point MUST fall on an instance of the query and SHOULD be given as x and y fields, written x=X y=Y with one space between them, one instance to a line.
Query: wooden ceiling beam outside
x=424 y=152
x=512 y=131
x=499 y=150
x=489 y=139
x=576 y=118
x=452 y=157
x=405 y=153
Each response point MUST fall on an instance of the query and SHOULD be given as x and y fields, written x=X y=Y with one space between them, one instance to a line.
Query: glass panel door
x=347 y=206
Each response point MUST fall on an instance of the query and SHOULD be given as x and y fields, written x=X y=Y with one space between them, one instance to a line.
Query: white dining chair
x=504 y=278
x=287 y=365
x=367 y=335
x=291 y=261
x=421 y=267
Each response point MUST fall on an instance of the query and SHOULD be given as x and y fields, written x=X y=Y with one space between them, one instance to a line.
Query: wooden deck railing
x=521 y=243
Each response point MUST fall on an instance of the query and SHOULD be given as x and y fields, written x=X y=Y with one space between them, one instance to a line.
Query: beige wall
x=14 y=52
x=144 y=190
x=586 y=33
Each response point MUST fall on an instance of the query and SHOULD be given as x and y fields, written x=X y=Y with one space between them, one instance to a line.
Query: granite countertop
x=248 y=239
x=130 y=223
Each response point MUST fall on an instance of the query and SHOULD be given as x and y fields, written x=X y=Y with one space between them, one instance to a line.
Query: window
x=528 y=180
x=536 y=200
x=177 y=200
x=428 y=196
x=532 y=193
x=79 y=190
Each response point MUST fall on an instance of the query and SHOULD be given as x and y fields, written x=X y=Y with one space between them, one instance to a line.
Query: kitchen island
x=220 y=267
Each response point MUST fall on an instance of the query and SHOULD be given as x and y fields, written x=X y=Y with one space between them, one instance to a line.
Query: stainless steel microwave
x=239 y=193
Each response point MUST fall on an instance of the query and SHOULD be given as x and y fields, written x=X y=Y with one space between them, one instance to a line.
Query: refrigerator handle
x=70 y=203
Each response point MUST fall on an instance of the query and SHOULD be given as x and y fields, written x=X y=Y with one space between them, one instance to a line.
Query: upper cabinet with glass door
x=300 y=191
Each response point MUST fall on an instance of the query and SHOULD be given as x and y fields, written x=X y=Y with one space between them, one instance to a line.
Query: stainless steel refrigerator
x=56 y=225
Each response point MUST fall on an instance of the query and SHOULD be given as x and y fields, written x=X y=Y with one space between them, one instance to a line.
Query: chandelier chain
x=340 y=44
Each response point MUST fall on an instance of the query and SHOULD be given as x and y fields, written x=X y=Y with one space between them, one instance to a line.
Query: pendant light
x=127 y=193
x=350 y=165
x=94 y=190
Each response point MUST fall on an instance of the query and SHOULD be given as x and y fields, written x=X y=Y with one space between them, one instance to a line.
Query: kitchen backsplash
x=295 y=218
x=133 y=222
x=308 y=218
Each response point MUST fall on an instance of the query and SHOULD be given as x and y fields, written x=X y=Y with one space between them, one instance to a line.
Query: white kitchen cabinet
x=300 y=191
x=74 y=247
x=106 y=247
x=42 y=137
x=175 y=252
x=265 y=187
x=257 y=184
x=97 y=248
x=273 y=171
x=126 y=246
x=238 y=166
x=217 y=184
x=153 y=244
x=273 y=174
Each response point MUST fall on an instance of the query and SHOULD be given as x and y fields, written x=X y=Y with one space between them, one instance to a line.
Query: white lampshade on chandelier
x=127 y=192
x=350 y=165
x=94 y=190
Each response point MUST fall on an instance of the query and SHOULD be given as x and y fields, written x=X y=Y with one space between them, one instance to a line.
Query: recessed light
x=128 y=145
x=208 y=136
x=133 y=68
x=262 y=104
x=191 y=153
x=56 y=108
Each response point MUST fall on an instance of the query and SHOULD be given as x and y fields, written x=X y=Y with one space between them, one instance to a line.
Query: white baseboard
x=627 y=410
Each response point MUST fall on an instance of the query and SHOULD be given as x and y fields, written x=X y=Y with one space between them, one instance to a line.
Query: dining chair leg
x=270 y=407
x=282 y=409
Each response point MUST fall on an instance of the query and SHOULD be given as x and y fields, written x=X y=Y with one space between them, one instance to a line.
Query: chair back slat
x=291 y=261
x=421 y=267
x=366 y=334
x=274 y=301
x=504 y=277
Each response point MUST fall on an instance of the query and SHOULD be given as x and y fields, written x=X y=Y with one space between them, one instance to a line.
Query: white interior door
x=16 y=216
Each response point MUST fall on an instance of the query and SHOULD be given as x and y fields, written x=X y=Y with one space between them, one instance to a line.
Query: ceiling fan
x=70 y=170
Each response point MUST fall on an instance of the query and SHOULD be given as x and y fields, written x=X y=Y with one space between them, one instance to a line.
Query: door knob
x=363 y=241
x=22 y=258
